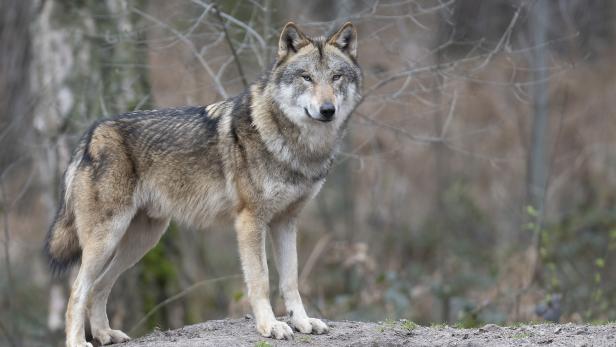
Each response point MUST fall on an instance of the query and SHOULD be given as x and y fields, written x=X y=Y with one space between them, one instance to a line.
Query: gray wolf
x=256 y=159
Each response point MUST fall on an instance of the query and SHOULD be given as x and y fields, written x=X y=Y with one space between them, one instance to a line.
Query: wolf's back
x=62 y=243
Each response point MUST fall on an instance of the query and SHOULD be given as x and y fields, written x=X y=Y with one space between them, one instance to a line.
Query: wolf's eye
x=336 y=77
x=307 y=78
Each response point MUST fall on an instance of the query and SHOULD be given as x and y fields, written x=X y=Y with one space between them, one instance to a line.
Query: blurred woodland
x=477 y=182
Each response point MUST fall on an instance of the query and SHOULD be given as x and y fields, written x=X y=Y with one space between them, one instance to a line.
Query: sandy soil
x=241 y=332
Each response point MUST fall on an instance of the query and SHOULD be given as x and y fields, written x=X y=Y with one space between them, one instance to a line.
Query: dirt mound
x=241 y=332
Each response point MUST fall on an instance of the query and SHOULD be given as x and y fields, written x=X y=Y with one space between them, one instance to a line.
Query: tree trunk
x=538 y=165
x=83 y=70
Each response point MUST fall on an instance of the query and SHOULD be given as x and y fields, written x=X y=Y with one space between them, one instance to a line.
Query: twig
x=267 y=23
x=401 y=131
x=452 y=109
x=141 y=102
x=221 y=90
x=314 y=256
x=180 y=295
x=503 y=38
x=231 y=47
x=238 y=23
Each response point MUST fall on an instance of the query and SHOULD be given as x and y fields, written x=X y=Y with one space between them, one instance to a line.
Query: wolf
x=255 y=159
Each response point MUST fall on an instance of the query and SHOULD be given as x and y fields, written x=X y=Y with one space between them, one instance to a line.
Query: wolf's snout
x=327 y=110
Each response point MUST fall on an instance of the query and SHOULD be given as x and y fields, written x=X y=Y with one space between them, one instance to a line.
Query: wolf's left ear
x=291 y=40
x=345 y=39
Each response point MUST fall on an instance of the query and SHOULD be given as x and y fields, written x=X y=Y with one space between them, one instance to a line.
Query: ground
x=241 y=332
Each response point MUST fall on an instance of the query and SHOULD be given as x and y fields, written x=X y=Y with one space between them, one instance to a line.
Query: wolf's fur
x=256 y=158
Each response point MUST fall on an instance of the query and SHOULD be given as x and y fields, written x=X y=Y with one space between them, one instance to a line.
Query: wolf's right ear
x=345 y=39
x=291 y=40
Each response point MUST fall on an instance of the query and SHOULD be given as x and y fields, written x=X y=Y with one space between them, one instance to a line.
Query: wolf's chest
x=278 y=195
x=279 y=192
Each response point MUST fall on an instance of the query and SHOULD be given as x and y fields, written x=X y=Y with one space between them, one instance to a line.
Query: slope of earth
x=241 y=332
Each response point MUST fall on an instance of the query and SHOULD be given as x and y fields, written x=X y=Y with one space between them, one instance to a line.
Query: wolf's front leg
x=285 y=235
x=251 y=238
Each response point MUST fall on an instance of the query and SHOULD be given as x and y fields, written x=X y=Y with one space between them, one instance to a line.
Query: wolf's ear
x=291 y=40
x=345 y=39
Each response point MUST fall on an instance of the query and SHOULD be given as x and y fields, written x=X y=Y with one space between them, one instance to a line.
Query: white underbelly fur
x=198 y=208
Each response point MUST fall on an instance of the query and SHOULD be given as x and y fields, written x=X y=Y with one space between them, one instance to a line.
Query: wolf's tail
x=62 y=243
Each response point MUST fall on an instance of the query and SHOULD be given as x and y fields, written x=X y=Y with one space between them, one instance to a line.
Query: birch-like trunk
x=83 y=69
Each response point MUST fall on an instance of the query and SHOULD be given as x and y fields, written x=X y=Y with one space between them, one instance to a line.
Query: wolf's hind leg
x=251 y=239
x=285 y=240
x=142 y=235
x=99 y=240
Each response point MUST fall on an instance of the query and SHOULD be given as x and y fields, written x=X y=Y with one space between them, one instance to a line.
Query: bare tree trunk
x=441 y=167
x=79 y=75
x=538 y=164
x=15 y=116
x=15 y=57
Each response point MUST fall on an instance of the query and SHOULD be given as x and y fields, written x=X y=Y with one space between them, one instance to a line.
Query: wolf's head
x=316 y=80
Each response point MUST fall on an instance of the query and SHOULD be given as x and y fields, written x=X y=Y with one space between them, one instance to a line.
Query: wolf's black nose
x=327 y=110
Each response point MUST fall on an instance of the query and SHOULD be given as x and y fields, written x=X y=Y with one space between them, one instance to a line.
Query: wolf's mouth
x=320 y=119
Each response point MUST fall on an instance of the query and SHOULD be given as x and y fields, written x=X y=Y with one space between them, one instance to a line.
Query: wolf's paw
x=310 y=325
x=109 y=336
x=275 y=329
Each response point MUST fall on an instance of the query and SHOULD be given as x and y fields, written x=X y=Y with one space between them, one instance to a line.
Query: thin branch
x=217 y=84
x=501 y=42
x=181 y=295
x=231 y=47
x=452 y=109
x=315 y=255
x=239 y=23
x=402 y=132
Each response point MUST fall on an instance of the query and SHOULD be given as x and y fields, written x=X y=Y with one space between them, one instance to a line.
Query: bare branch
x=180 y=295
x=217 y=84
x=231 y=47
x=239 y=23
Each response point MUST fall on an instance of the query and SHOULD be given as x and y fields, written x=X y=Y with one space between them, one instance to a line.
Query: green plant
x=388 y=323
x=520 y=335
x=304 y=339
x=521 y=324
x=409 y=325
